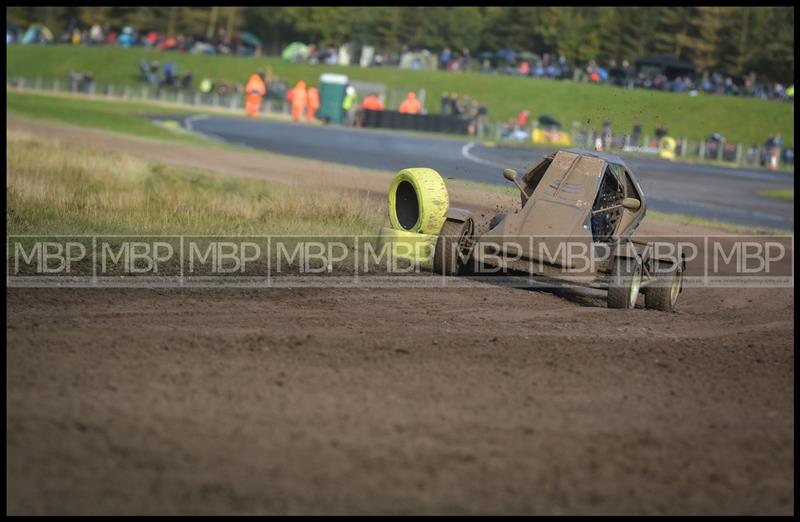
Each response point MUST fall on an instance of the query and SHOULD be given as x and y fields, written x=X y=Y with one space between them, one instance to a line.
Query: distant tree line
x=734 y=41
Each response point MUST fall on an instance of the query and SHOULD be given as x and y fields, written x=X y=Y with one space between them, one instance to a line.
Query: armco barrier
x=418 y=122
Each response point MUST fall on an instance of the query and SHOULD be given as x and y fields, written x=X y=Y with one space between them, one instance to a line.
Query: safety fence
x=712 y=150
x=232 y=101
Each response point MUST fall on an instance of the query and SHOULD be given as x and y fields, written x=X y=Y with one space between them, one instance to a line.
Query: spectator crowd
x=616 y=72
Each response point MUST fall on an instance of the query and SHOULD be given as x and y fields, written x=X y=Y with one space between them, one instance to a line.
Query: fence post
x=738 y=153
x=701 y=150
x=56 y=85
x=720 y=148
x=22 y=82
x=215 y=99
x=684 y=146
x=38 y=84
x=179 y=97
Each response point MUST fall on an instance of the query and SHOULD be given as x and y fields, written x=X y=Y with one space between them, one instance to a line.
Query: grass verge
x=125 y=118
x=739 y=119
x=58 y=189
x=685 y=219
x=779 y=194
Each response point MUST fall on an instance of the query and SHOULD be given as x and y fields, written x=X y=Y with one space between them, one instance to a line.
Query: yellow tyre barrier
x=543 y=137
x=418 y=201
x=407 y=245
x=666 y=148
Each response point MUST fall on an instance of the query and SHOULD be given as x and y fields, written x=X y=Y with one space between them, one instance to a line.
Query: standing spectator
x=607 y=134
x=454 y=108
x=206 y=88
x=469 y=107
x=563 y=67
x=636 y=135
x=96 y=35
x=661 y=131
x=481 y=120
x=186 y=82
x=349 y=105
x=313 y=103
x=465 y=60
x=445 y=58
x=522 y=119
x=299 y=99
x=170 y=72
x=627 y=73
x=372 y=102
x=728 y=88
x=524 y=69
x=154 y=67
x=75 y=80
x=774 y=151
x=144 y=71
x=461 y=105
x=127 y=38
x=444 y=103
x=88 y=82
x=410 y=104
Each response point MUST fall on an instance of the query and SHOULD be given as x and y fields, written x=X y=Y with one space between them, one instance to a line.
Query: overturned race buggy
x=572 y=201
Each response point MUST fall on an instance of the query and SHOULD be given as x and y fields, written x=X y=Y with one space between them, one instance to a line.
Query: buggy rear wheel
x=663 y=294
x=624 y=283
x=453 y=248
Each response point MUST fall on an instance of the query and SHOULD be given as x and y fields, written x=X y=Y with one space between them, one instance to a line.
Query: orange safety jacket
x=255 y=85
x=313 y=98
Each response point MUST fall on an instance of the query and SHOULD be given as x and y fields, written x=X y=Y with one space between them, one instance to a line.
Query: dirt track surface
x=488 y=400
x=484 y=400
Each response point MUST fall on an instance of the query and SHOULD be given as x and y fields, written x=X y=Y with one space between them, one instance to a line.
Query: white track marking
x=465 y=151
x=188 y=121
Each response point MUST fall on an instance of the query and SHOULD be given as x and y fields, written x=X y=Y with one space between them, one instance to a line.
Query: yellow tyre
x=407 y=245
x=666 y=148
x=418 y=201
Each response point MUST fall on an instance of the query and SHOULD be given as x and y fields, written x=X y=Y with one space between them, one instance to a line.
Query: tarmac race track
x=725 y=194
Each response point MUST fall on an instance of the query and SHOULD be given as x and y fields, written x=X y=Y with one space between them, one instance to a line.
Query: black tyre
x=496 y=219
x=453 y=248
x=624 y=283
x=663 y=294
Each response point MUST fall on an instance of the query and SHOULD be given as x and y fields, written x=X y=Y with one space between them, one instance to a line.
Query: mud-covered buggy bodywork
x=579 y=210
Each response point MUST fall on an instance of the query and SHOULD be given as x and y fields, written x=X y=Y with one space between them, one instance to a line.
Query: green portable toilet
x=331 y=95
